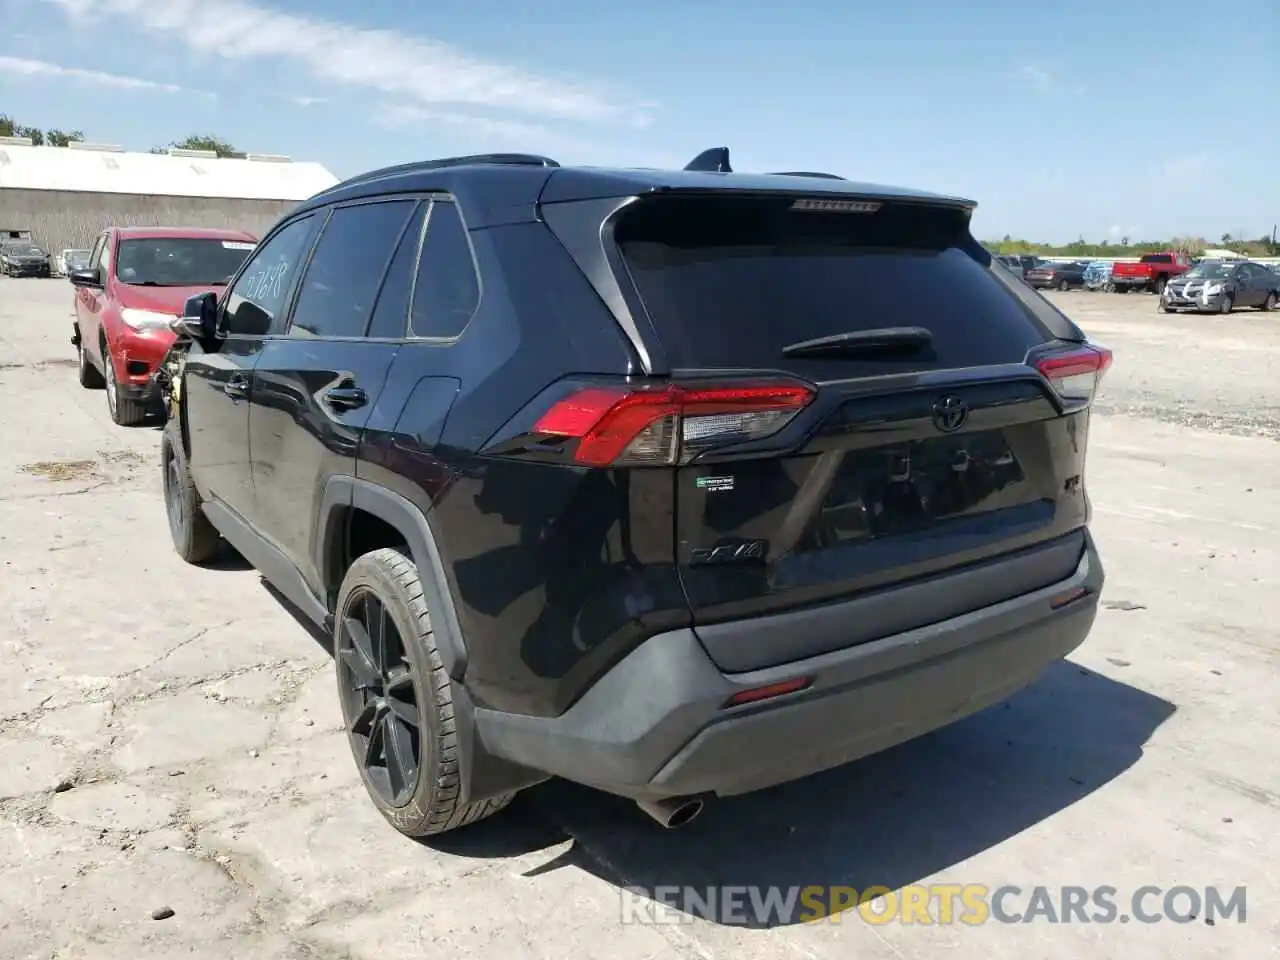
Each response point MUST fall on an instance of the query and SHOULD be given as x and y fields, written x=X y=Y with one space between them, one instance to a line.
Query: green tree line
x=1192 y=246
x=53 y=137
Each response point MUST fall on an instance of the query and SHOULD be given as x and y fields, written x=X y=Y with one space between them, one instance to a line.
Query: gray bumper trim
x=655 y=725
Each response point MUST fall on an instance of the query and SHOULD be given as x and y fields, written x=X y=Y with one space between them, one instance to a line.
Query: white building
x=62 y=197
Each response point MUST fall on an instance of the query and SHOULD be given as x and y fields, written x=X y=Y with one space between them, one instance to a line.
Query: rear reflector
x=1075 y=374
x=756 y=694
x=661 y=424
x=1071 y=596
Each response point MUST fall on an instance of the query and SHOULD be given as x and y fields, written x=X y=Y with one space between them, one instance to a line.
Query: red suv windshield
x=179 y=261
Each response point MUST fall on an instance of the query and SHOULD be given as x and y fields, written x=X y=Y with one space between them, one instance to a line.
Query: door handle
x=237 y=388
x=346 y=398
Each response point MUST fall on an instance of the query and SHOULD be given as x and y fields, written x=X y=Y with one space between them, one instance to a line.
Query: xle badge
x=714 y=484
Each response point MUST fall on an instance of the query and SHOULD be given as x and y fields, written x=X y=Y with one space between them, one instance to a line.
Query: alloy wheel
x=376 y=682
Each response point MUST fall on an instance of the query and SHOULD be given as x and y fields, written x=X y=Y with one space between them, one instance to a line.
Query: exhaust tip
x=673 y=813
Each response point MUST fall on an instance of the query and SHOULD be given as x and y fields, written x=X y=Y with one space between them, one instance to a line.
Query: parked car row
x=1181 y=282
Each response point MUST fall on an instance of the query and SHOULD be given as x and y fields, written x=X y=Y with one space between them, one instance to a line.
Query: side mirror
x=86 y=278
x=187 y=327
x=199 y=314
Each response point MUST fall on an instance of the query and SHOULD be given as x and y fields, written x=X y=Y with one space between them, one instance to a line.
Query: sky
x=1061 y=120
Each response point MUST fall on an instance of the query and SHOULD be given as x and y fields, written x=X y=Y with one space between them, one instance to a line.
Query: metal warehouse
x=62 y=197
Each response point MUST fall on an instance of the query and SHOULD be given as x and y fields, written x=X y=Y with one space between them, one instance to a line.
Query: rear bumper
x=656 y=725
x=1132 y=281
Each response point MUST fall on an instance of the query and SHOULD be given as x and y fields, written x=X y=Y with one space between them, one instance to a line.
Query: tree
x=11 y=128
x=202 y=142
x=59 y=138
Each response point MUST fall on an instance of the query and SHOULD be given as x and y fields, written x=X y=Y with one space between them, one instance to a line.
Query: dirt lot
x=169 y=737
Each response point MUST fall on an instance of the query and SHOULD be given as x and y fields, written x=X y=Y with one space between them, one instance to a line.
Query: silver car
x=68 y=261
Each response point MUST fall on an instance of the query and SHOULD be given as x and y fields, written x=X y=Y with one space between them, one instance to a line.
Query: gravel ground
x=174 y=780
x=1207 y=371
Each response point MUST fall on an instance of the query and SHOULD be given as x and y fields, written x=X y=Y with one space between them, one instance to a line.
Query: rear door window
x=729 y=282
x=345 y=273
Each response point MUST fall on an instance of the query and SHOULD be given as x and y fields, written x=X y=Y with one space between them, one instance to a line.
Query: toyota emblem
x=949 y=414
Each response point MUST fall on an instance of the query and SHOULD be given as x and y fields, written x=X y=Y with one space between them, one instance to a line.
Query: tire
x=1161 y=307
x=89 y=375
x=125 y=413
x=383 y=586
x=1160 y=285
x=1269 y=304
x=1227 y=304
x=194 y=538
x=1063 y=285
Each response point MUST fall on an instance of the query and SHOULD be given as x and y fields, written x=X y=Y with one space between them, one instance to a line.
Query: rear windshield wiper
x=858 y=342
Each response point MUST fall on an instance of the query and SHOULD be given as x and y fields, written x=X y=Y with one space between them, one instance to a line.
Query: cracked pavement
x=170 y=738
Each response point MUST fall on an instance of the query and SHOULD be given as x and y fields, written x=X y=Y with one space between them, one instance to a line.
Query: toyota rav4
x=678 y=484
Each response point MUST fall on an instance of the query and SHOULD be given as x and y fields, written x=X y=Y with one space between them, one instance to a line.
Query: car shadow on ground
x=890 y=820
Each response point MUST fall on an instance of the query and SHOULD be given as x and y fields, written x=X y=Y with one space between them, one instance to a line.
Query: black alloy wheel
x=376 y=681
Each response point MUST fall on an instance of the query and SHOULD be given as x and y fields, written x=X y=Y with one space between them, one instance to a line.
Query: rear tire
x=1063 y=285
x=389 y=655
x=194 y=538
x=1269 y=304
x=1160 y=285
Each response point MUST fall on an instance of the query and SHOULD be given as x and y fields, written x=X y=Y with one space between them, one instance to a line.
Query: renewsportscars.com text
x=938 y=903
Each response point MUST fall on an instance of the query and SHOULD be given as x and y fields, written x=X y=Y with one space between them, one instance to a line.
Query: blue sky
x=1061 y=120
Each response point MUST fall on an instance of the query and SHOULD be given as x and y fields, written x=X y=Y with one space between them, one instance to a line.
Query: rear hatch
x=928 y=413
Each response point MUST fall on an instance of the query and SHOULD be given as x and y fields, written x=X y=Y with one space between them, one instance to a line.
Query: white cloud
x=1183 y=168
x=18 y=66
x=1118 y=232
x=309 y=101
x=1048 y=79
x=406 y=114
x=414 y=69
x=1037 y=75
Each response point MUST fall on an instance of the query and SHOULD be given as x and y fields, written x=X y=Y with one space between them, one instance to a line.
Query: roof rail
x=193 y=154
x=715 y=160
x=513 y=159
x=17 y=141
x=269 y=157
x=799 y=173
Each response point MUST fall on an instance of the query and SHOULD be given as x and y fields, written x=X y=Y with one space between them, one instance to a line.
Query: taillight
x=1075 y=374
x=663 y=424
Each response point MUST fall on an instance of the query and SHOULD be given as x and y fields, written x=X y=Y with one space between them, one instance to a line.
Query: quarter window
x=447 y=290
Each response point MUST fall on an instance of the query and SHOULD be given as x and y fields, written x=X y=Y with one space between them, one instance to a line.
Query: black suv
x=673 y=483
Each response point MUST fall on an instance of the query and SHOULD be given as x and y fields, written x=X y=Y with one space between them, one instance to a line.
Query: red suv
x=137 y=281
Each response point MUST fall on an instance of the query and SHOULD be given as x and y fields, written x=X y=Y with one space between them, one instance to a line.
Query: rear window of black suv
x=730 y=281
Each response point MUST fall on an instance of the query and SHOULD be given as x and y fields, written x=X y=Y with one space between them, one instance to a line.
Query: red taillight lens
x=1075 y=374
x=656 y=425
